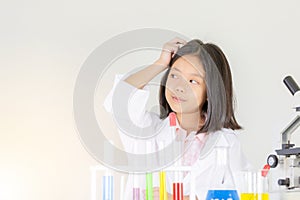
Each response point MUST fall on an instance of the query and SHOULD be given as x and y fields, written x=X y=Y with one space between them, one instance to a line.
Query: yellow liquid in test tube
x=252 y=196
x=162 y=186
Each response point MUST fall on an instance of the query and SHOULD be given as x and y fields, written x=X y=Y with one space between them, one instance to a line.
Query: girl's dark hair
x=218 y=108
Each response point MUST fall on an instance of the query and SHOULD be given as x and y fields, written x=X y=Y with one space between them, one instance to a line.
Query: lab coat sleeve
x=127 y=105
x=125 y=99
x=108 y=100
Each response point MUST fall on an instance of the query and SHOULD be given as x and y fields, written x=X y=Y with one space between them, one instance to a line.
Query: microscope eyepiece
x=291 y=84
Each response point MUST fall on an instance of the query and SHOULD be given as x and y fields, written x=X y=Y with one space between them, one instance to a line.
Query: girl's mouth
x=178 y=99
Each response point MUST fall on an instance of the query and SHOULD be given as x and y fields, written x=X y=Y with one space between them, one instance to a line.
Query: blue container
x=222 y=195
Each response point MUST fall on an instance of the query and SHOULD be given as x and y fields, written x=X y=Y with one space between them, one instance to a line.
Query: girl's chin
x=179 y=110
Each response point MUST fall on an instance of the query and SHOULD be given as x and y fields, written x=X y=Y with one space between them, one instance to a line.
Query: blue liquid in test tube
x=108 y=187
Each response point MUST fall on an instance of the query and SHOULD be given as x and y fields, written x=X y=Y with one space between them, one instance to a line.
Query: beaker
x=222 y=184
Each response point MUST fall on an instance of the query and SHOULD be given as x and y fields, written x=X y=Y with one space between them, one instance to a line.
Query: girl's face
x=185 y=86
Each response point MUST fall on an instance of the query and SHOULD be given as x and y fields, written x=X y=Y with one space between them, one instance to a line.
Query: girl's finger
x=171 y=48
x=178 y=40
x=175 y=51
x=180 y=45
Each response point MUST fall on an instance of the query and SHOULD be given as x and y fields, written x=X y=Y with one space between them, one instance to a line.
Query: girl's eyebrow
x=194 y=74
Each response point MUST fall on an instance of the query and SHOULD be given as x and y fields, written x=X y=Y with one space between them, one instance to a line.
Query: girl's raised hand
x=169 y=50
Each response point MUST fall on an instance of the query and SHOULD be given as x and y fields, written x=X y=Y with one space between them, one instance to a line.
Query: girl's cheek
x=168 y=84
x=171 y=87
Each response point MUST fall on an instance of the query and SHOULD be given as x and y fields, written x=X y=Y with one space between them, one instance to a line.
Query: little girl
x=197 y=87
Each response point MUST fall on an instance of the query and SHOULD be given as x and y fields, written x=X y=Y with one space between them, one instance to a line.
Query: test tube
x=177 y=184
x=122 y=185
x=149 y=186
x=192 y=185
x=108 y=186
x=162 y=177
x=136 y=189
x=149 y=178
x=136 y=186
x=136 y=194
x=162 y=186
x=108 y=179
x=178 y=191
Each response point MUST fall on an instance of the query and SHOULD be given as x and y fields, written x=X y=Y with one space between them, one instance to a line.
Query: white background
x=43 y=45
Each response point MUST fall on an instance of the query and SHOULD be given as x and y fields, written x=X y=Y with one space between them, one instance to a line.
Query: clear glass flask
x=253 y=185
x=222 y=185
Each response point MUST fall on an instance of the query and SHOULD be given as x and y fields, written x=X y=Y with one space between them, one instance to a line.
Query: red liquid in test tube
x=177 y=191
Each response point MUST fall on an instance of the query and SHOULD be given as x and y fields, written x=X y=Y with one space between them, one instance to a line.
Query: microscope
x=287 y=160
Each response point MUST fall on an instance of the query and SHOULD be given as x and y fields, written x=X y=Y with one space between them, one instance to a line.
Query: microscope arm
x=287 y=132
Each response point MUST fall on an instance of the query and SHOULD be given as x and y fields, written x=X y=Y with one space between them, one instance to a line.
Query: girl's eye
x=173 y=76
x=194 y=82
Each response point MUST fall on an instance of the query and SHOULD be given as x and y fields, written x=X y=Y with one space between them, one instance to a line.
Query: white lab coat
x=202 y=168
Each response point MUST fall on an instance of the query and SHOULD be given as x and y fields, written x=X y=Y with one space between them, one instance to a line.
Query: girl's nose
x=181 y=86
x=179 y=89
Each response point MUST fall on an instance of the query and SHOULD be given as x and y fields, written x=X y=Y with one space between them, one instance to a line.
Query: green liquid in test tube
x=149 y=178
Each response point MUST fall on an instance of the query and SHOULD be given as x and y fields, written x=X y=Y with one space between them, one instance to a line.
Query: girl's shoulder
x=223 y=137
x=230 y=135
